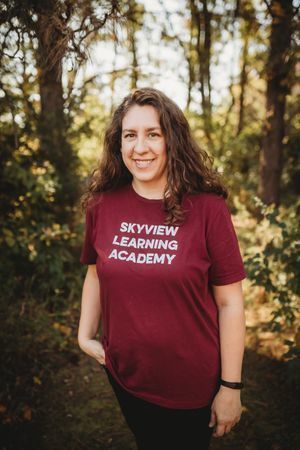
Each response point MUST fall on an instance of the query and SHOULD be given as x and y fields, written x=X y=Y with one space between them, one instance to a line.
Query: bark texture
x=278 y=68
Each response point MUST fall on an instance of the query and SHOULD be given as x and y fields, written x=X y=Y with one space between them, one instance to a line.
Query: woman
x=164 y=277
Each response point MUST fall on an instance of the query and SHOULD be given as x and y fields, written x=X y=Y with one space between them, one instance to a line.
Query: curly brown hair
x=189 y=168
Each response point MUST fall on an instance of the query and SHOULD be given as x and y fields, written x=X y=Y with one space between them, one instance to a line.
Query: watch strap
x=231 y=384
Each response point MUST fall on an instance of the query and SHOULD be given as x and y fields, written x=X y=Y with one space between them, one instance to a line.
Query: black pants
x=159 y=428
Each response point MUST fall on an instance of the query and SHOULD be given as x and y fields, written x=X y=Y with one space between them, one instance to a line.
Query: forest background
x=233 y=67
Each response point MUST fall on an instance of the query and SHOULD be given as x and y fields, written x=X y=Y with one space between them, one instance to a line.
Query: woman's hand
x=94 y=349
x=226 y=411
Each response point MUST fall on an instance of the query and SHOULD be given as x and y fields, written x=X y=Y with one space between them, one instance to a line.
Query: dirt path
x=85 y=412
x=82 y=413
x=73 y=406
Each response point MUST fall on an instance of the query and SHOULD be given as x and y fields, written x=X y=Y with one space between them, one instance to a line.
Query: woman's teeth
x=143 y=163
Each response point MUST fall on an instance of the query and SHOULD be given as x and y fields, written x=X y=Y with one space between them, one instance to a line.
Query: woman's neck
x=151 y=191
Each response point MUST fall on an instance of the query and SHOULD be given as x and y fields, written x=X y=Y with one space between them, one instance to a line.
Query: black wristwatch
x=231 y=384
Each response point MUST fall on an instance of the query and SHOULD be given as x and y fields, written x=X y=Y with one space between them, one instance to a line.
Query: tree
x=58 y=28
x=201 y=21
x=134 y=13
x=249 y=27
x=38 y=165
x=278 y=71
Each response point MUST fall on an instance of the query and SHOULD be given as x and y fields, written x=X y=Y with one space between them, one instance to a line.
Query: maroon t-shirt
x=159 y=319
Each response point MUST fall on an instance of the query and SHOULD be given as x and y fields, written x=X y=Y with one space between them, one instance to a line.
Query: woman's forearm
x=230 y=303
x=226 y=408
x=232 y=340
x=90 y=313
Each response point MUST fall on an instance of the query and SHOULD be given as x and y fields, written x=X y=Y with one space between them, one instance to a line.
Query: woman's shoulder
x=99 y=199
x=207 y=207
x=95 y=199
x=207 y=199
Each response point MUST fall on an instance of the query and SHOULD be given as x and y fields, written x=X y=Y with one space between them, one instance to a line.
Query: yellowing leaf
x=3 y=409
x=64 y=329
x=37 y=380
x=27 y=414
x=56 y=325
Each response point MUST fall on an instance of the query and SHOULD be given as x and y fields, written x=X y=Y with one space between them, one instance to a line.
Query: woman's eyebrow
x=126 y=130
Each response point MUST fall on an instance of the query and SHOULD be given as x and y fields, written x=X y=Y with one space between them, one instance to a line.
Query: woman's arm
x=226 y=407
x=90 y=316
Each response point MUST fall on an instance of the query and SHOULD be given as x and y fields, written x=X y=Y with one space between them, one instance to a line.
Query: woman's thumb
x=213 y=418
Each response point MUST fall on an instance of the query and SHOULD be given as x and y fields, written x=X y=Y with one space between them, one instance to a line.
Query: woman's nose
x=140 y=145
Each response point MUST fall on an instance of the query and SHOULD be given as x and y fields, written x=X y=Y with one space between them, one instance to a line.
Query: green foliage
x=39 y=242
x=240 y=160
x=276 y=266
x=87 y=131
x=37 y=251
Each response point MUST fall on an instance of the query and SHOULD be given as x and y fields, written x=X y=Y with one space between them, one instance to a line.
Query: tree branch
x=268 y=5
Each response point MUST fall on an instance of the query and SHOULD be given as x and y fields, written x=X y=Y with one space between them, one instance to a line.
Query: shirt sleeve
x=88 y=252
x=223 y=249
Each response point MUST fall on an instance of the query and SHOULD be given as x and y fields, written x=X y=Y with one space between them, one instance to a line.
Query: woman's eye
x=132 y=135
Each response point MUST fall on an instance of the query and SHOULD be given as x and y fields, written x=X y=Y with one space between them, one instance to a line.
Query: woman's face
x=143 y=146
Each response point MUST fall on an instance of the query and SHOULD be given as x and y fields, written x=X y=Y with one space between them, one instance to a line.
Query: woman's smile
x=143 y=163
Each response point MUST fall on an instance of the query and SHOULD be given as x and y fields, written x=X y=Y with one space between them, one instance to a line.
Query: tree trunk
x=206 y=59
x=202 y=23
x=134 y=71
x=54 y=146
x=133 y=17
x=191 y=69
x=113 y=78
x=243 y=83
x=278 y=68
